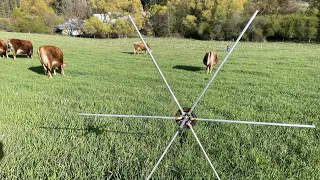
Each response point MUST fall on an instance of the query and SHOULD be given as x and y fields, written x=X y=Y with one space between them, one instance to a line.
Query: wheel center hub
x=189 y=117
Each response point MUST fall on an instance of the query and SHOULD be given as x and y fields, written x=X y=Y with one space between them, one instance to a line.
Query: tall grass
x=43 y=137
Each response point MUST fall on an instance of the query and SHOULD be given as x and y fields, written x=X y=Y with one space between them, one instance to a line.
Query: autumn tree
x=7 y=6
x=158 y=20
x=94 y=27
x=117 y=9
x=34 y=16
x=205 y=19
x=74 y=9
x=315 y=4
x=121 y=27
x=149 y=3
x=273 y=6
x=58 y=6
x=121 y=7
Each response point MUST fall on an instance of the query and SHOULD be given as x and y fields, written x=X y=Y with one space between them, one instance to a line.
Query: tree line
x=297 y=20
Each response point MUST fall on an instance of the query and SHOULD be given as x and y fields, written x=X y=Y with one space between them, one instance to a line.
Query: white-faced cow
x=3 y=49
x=19 y=46
x=139 y=46
x=210 y=59
x=51 y=57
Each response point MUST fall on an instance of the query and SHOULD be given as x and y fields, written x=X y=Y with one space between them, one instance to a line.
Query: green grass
x=43 y=137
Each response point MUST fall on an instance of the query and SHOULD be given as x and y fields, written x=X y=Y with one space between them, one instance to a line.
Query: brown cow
x=210 y=59
x=3 y=49
x=139 y=46
x=20 y=47
x=51 y=57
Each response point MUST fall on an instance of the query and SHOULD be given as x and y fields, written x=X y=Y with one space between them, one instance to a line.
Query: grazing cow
x=139 y=46
x=20 y=47
x=210 y=59
x=51 y=57
x=3 y=49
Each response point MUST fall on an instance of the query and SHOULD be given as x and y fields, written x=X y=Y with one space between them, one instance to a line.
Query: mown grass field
x=42 y=136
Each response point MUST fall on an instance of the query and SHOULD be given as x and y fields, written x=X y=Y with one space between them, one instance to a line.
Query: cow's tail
x=8 y=46
x=208 y=59
x=38 y=52
x=44 y=65
x=150 y=48
x=205 y=59
x=31 y=52
x=215 y=59
x=134 y=48
x=62 y=68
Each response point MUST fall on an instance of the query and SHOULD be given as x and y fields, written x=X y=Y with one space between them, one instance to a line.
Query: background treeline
x=200 y=19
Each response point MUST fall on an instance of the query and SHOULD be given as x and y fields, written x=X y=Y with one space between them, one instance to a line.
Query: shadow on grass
x=127 y=52
x=188 y=68
x=255 y=73
x=1 y=151
x=140 y=53
x=96 y=130
x=37 y=69
x=19 y=56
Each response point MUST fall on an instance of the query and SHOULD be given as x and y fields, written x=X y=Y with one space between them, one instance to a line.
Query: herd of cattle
x=210 y=58
x=51 y=57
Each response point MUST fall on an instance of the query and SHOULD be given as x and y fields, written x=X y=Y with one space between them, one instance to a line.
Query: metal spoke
x=204 y=152
x=127 y=116
x=154 y=61
x=164 y=153
x=219 y=67
x=256 y=123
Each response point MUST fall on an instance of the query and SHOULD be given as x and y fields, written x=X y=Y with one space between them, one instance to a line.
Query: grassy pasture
x=42 y=136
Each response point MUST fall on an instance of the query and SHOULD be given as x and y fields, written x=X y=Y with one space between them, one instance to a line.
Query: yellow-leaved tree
x=34 y=16
x=94 y=27
x=205 y=19
x=116 y=12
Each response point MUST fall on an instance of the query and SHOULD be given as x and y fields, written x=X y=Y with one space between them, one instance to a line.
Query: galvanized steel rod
x=204 y=152
x=127 y=116
x=163 y=154
x=257 y=123
x=154 y=61
x=218 y=69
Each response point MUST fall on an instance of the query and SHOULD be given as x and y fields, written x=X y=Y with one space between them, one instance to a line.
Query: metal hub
x=189 y=117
